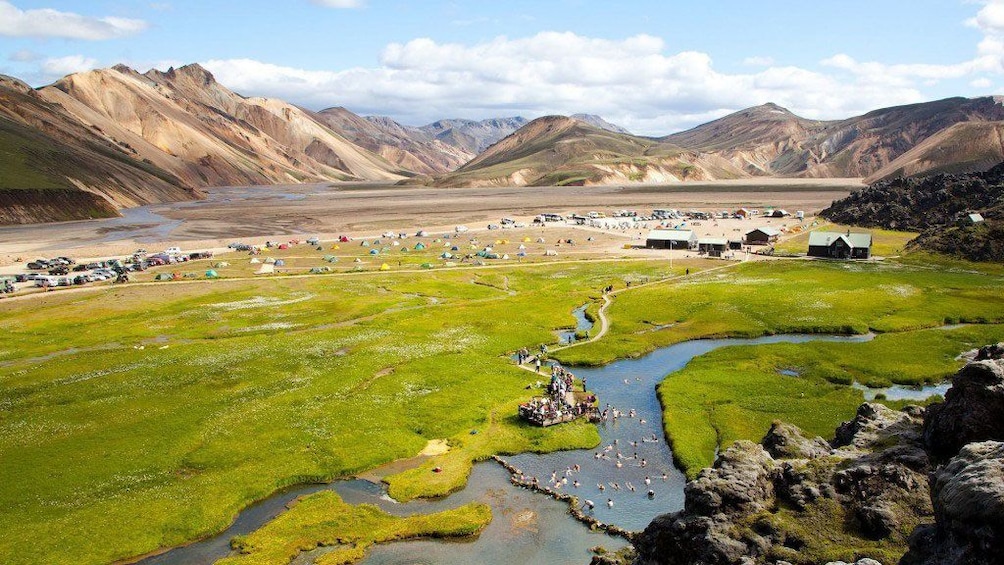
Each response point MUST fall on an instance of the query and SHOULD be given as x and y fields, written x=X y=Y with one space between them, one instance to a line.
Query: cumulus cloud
x=632 y=82
x=340 y=3
x=758 y=61
x=46 y=22
x=990 y=18
x=61 y=66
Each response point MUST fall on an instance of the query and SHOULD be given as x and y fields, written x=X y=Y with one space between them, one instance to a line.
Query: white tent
x=255 y=261
x=550 y=253
x=265 y=269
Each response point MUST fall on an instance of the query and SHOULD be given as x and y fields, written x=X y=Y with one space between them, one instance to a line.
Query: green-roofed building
x=836 y=245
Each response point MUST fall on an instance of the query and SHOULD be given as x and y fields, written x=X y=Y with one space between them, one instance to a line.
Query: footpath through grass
x=794 y=296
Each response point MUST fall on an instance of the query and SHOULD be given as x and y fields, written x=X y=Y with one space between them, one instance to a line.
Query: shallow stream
x=528 y=527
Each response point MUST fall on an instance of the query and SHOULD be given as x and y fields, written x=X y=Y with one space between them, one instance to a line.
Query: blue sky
x=653 y=66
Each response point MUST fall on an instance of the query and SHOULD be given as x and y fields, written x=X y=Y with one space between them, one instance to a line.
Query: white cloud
x=340 y=3
x=990 y=19
x=982 y=83
x=758 y=61
x=45 y=22
x=61 y=66
x=24 y=56
x=631 y=82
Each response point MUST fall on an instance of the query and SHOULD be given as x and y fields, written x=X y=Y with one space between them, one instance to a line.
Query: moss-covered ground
x=346 y=531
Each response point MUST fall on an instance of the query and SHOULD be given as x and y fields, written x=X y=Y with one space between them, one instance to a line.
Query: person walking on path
x=538 y=364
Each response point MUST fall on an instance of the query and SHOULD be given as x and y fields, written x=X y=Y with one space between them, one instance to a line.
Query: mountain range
x=96 y=141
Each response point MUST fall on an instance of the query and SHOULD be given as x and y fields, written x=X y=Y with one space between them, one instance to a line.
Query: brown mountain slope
x=771 y=140
x=965 y=147
x=764 y=140
x=55 y=168
x=188 y=124
x=407 y=147
x=556 y=150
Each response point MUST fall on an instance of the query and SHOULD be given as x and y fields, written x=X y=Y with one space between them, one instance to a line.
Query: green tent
x=419 y=246
x=211 y=274
x=426 y=265
x=163 y=277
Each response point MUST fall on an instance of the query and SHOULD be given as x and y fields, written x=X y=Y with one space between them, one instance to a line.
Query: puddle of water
x=905 y=392
x=790 y=373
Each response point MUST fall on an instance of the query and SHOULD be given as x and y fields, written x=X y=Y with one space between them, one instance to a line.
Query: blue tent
x=374 y=251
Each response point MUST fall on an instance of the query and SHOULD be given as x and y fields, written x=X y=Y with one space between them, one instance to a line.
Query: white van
x=173 y=251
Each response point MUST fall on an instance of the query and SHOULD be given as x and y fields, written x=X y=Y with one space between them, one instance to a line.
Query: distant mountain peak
x=597 y=121
x=193 y=71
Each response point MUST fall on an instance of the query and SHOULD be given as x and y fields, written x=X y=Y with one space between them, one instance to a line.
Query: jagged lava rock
x=968 y=495
x=973 y=409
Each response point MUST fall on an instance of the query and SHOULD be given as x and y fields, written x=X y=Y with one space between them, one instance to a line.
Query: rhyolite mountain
x=954 y=135
x=96 y=141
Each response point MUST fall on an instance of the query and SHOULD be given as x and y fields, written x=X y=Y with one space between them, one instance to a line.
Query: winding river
x=529 y=527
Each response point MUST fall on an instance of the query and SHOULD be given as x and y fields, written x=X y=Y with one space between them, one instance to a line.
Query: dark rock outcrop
x=876 y=474
x=785 y=441
x=934 y=206
x=973 y=409
x=968 y=495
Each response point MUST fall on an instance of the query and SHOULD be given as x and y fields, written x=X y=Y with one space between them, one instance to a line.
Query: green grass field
x=324 y=520
x=142 y=416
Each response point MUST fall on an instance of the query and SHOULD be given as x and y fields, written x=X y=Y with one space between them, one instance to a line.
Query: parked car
x=39 y=265
x=173 y=250
x=60 y=270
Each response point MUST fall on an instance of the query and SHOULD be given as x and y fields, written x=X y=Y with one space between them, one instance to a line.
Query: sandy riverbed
x=325 y=210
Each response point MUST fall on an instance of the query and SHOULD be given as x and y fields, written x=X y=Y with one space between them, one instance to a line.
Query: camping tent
x=446 y=256
x=220 y=265
x=255 y=261
x=364 y=243
x=396 y=243
x=405 y=250
x=422 y=233
x=419 y=246
x=550 y=253
x=527 y=240
x=211 y=274
x=163 y=277
x=385 y=267
x=266 y=269
x=357 y=260
x=426 y=265
x=319 y=270
x=521 y=247
x=331 y=258
x=269 y=260
x=280 y=263
x=540 y=240
x=374 y=251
